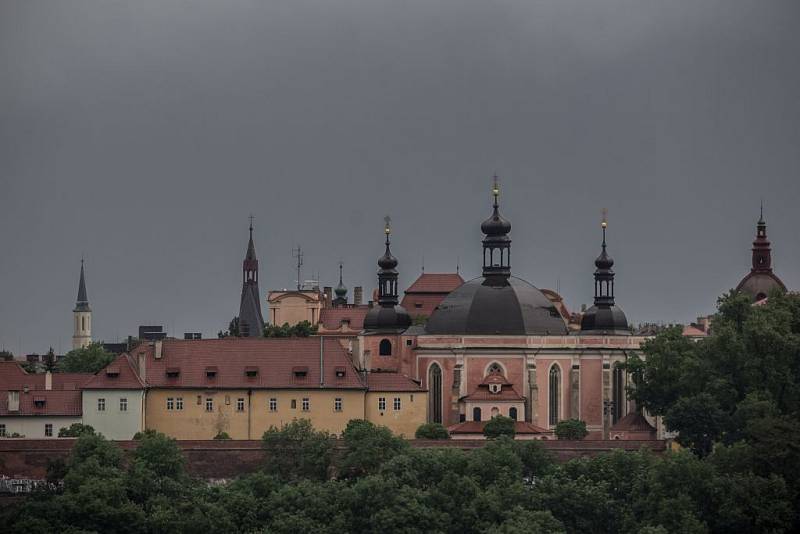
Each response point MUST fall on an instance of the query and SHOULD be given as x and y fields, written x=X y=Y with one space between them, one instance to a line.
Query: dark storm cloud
x=142 y=134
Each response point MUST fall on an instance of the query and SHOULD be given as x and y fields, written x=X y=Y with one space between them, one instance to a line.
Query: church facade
x=497 y=345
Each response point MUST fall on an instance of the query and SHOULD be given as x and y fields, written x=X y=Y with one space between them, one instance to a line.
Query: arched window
x=435 y=393
x=494 y=368
x=476 y=414
x=619 y=393
x=495 y=411
x=83 y=323
x=385 y=348
x=512 y=413
x=555 y=394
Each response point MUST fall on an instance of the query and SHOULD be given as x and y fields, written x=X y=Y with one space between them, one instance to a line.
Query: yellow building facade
x=401 y=412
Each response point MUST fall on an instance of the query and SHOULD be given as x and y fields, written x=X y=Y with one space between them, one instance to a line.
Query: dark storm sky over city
x=142 y=135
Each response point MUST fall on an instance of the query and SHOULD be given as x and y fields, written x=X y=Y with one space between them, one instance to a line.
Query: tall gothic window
x=555 y=394
x=619 y=393
x=476 y=414
x=435 y=393
x=512 y=413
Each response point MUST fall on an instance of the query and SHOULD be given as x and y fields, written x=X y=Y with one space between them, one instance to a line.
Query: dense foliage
x=432 y=431
x=301 y=329
x=499 y=425
x=75 y=430
x=506 y=487
x=89 y=359
x=571 y=429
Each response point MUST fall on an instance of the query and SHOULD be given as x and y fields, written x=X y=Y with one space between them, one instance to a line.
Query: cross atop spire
x=495 y=190
x=604 y=225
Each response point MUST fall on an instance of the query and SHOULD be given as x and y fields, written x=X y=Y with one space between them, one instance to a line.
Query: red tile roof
x=63 y=399
x=435 y=283
x=331 y=318
x=126 y=377
x=633 y=422
x=506 y=394
x=276 y=359
x=693 y=331
x=476 y=427
x=384 y=381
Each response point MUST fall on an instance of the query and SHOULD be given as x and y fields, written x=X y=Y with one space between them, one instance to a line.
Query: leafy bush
x=573 y=429
x=222 y=435
x=297 y=451
x=499 y=425
x=432 y=431
x=75 y=430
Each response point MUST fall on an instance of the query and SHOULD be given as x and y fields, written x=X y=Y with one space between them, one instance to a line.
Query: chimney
x=157 y=345
x=48 y=381
x=358 y=295
x=142 y=361
x=328 y=290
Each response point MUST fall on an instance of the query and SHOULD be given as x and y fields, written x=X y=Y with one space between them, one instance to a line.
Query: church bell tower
x=82 y=316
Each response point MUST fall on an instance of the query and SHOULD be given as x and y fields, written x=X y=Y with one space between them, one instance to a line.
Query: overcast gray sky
x=142 y=135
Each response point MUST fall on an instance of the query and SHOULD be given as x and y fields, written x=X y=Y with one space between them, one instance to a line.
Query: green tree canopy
x=432 y=431
x=571 y=429
x=499 y=425
x=297 y=450
x=89 y=359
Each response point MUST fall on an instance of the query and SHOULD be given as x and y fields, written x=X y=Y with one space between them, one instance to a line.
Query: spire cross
x=387 y=229
x=495 y=190
x=340 y=272
x=251 y=223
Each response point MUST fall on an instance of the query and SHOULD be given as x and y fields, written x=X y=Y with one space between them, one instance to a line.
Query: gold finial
x=387 y=227
x=604 y=224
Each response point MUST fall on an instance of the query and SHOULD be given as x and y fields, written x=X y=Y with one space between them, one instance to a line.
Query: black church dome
x=496 y=305
x=387 y=318
x=608 y=320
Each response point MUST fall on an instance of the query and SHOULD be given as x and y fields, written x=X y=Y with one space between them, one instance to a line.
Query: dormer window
x=344 y=323
x=173 y=372
x=341 y=372
x=211 y=372
x=251 y=372
x=494 y=388
x=300 y=372
x=39 y=402
x=112 y=372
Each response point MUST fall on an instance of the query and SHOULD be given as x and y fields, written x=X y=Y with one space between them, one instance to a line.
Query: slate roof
x=273 y=362
x=119 y=374
x=384 y=381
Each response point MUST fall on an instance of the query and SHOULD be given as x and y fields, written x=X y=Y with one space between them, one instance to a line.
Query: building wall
x=592 y=392
x=502 y=407
x=112 y=422
x=404 y=422
x=33 y=427
x=293 y=308
x=194 y=422
x=82 y=331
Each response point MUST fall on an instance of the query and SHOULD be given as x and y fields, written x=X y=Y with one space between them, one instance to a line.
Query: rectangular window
x=101 y=405
x=179 y=403
x=48 y=430
x=199 y=400
x=123 y=405
x=209 y=404
x=396 y=403
x=294 y=404
x=170 y=403
x=239 y=405
x=273 y=405
x=337 y=404
x=381 y=403
x=306 y=404
x=2 y=430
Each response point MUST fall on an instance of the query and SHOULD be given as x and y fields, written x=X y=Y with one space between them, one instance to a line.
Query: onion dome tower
x=496 y=303
x=761 y=279
x=340 y=291
x=605 y=317
x=388 y=315
x=251 y=322
x=82 y=316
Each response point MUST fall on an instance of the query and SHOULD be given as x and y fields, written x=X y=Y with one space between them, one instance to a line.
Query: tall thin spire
x=82 y=303
x=251 y=321
x=604 y=274
x=341 y=289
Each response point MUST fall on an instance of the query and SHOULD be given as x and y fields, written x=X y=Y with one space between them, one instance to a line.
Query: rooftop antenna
x=458 y=264
x=297 y=253
x=423 y=263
